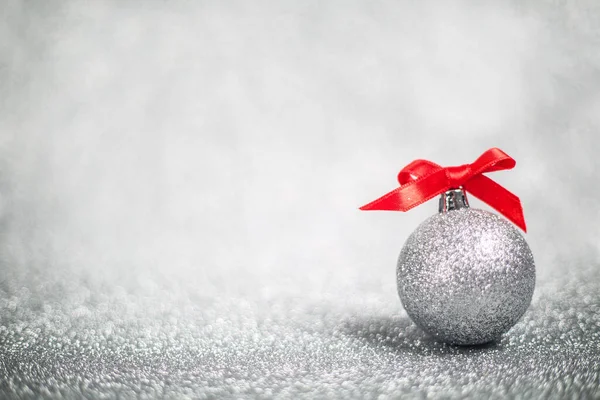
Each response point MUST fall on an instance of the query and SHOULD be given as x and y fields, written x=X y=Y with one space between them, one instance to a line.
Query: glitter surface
x=64 y=336
x=179 y=183
x=466 y=276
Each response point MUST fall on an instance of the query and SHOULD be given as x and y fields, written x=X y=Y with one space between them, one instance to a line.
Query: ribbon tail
x=412 y=194
x=391 y=201
x=505 y=202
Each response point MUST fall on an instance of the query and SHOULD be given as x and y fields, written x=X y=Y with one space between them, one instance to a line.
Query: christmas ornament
x=464 y=275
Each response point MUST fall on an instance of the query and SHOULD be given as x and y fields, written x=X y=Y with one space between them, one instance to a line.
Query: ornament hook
x=453 y=199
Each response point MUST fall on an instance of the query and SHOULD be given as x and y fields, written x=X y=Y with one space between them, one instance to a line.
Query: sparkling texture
x=466 y=276
x=64 y=335
x=178 y=183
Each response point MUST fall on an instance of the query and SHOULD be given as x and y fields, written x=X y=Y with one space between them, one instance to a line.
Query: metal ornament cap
x=465 y=276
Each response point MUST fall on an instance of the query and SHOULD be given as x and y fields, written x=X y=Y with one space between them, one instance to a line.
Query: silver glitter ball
x=465 y=276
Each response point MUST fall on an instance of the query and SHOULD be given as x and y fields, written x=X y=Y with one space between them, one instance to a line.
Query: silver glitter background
x=179 y=183
x=466 y=276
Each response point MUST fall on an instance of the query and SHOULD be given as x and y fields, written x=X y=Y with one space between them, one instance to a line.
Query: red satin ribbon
x=422 y=180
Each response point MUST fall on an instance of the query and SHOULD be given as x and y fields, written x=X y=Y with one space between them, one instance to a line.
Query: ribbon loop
x=416 y=170
x=422 y=180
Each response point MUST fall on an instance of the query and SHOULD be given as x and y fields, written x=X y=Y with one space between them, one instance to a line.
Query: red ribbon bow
x=422 y=180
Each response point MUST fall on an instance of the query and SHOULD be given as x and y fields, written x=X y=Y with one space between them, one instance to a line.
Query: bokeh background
x=179 y=184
